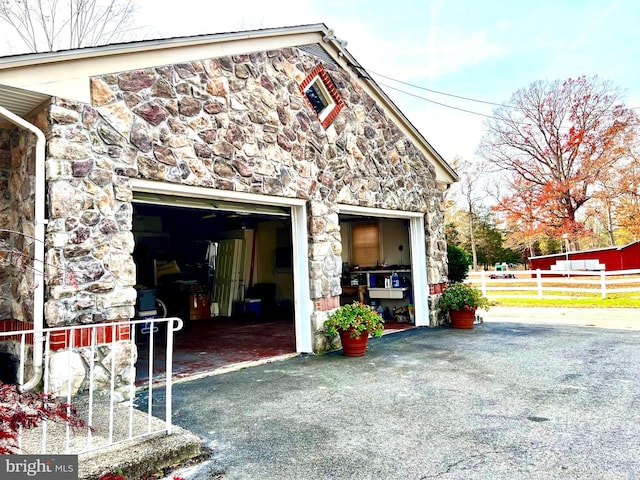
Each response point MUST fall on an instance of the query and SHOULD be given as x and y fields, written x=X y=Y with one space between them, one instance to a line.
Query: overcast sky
x=485 y=50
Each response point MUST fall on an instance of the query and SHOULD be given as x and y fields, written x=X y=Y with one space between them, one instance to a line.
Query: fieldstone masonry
x=232 y=123
x=17 y=215
x=68 y=370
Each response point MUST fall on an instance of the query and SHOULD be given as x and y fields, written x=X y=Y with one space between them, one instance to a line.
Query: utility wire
x=363 y=72
x=437 y=103
x=438 y=92
x=461 y=97
x=451 y=106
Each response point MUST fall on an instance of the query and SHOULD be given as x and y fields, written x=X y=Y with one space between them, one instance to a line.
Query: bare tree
x=48 y=25
x=561 y=138
x=473 y=194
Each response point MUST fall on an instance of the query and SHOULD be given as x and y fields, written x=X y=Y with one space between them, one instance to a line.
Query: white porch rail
x=557 y=283
x=112 y=420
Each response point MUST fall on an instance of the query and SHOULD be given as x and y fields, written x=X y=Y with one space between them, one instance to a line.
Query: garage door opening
x=384 y=265
x=226 y=269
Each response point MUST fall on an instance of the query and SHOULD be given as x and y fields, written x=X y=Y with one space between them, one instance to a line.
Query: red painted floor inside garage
x=204 y=346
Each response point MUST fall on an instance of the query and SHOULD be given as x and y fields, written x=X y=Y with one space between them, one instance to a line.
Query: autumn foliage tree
x=558 y=140
x=521 y=213
x=616 y=205
x=628 y=201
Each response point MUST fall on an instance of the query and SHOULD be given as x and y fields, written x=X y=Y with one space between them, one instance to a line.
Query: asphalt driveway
x=505 y=400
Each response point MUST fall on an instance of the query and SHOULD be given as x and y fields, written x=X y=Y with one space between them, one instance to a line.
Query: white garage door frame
x=302 y=298
x=417 y=243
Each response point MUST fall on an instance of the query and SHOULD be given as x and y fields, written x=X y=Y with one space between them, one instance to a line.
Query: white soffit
x=19 y=101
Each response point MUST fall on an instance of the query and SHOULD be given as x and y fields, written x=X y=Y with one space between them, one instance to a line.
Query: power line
x=363 y=72
x=461 y=97
x=451 y=106
x=437 y=103
x=439 y=92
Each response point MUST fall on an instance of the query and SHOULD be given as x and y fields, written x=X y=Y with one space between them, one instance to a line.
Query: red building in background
x=625 y=257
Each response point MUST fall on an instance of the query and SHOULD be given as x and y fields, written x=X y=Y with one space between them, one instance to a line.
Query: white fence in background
x=110 y=411
x=556 y=283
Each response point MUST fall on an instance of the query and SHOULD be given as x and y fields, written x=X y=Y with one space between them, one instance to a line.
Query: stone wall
x=233 y=123
x=17 y=214
x=5 y=223
x=69 y=369
x=90 y=271
x=437 y=266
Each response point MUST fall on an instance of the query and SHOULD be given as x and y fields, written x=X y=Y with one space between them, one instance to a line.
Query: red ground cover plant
x=27 y=410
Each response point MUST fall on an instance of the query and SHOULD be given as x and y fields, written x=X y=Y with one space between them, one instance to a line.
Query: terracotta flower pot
x=356 y=346
x=462 y=318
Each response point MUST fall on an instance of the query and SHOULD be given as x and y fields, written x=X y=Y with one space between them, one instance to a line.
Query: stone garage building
x=100 y=147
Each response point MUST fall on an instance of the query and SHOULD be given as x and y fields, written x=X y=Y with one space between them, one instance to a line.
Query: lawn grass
x=613 y=301
x=560 y=292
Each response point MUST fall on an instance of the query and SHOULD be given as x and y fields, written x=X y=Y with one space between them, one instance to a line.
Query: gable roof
x=66 y=73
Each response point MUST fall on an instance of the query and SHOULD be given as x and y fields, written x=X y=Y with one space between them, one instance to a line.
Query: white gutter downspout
x=38 y=257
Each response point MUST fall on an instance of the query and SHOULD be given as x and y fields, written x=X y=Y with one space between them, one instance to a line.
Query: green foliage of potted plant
x=462 y=300
x=354 y=323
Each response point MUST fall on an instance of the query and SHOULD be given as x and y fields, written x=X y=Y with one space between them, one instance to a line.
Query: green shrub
x=459 y=262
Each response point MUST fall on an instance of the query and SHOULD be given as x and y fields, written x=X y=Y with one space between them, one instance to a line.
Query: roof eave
x=318 y=32
x=17 y=61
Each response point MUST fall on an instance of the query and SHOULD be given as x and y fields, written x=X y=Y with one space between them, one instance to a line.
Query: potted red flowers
x=462 y=300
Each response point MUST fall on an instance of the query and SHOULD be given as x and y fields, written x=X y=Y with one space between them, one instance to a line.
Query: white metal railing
x=111 y=413
x=551 y=283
